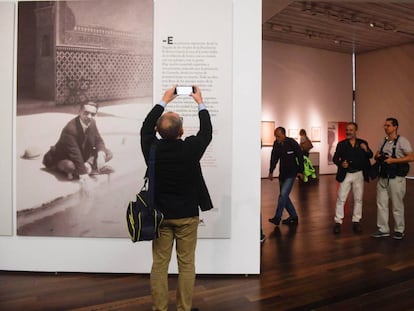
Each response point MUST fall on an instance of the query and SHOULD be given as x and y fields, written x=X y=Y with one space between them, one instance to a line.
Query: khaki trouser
x=393 y=188
x=184 y=232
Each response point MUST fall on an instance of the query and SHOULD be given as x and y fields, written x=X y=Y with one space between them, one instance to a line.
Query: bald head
x=170 y=126
x=280 y=134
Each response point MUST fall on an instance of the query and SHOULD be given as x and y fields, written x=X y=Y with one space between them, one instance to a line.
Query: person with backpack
x=180 y=191
x=393 y=154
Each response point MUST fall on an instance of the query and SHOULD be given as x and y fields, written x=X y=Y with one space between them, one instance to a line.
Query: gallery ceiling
x=346 y=27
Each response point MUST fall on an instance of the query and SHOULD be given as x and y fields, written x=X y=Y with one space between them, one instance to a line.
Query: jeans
x=284 y=200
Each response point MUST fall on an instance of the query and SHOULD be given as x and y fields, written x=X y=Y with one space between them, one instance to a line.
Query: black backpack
x=142 y=218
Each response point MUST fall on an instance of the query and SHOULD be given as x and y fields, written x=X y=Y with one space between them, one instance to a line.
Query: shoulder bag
x=142 y=218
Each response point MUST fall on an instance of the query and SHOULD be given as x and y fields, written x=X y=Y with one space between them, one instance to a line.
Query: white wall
x=240 y=254
x=304 y=88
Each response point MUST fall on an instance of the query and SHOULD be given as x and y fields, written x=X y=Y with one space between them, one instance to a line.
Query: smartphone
x=184 y=90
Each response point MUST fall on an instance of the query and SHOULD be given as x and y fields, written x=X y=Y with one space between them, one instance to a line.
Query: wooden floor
x=303 y=268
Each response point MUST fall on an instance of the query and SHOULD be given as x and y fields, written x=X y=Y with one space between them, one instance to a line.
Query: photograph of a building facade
x=84 y=85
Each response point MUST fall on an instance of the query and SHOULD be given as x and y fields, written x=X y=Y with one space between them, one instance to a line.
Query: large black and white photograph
x=84 y=86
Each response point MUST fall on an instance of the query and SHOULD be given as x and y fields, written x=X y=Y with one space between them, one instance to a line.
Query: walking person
x=393 y=154
x=179 y=192
x=288 y=151
x=352 y=159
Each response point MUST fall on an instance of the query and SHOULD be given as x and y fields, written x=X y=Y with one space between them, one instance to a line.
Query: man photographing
x=394 y=153
x=179 y=192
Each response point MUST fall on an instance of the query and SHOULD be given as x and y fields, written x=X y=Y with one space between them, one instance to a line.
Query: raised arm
x=148 y=126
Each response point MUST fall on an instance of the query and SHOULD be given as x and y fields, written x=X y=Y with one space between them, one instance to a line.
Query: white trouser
x=395 y=189
x=356 y=181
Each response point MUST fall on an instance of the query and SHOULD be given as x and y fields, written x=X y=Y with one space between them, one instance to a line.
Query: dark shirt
x=78 y=145
x=290 y=156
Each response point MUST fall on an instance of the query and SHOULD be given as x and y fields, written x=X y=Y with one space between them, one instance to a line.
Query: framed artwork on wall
x=268 y=137
x=293 y=133
x=316 y=134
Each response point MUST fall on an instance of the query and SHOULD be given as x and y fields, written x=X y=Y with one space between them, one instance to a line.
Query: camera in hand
x=390 y=171
x=382 y=157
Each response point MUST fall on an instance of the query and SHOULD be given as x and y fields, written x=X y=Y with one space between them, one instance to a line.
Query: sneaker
x=356 y=227
x=379 y=234
x=398 y=235
x=337 y=228
x=275 y=221
x=290 y=221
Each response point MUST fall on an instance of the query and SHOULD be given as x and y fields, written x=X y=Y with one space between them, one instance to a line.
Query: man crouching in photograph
x=80 y=150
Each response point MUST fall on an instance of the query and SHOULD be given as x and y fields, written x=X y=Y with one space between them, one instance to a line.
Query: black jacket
x=76 y=145
x=179 y=184
x=356 y=156
x=291 y=158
